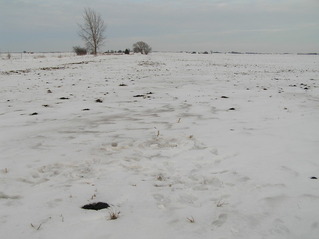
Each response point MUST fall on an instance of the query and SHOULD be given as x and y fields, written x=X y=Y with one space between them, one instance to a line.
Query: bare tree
x=141 y=47
x=92 y=30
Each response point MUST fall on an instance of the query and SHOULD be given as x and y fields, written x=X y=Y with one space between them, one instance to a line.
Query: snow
x=215 y=146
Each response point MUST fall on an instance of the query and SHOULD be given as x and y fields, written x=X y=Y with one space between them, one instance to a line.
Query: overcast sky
x=167 y=25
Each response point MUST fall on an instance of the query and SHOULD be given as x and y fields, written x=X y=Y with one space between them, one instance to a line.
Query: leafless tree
x=141 y=47
x=92 y=30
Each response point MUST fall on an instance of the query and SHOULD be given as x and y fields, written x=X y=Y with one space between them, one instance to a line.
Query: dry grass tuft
x=160 y=177
x=191 y=219
x=36 y=228
x=39 y=57
x=220 y=203
x=113 y=215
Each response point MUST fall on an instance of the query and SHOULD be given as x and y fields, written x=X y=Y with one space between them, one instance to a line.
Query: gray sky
x=167 y=25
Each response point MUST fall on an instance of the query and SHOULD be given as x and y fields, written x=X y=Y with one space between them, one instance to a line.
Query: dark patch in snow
x=96 y=206
x=35 y=113
x=99 y=101
x=232 y=108
x=64 y=98
x=52 y=68
x=145 y=95
x=313 y=178
x=138 y=95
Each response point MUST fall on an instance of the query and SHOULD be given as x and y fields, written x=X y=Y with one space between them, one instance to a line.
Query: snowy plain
x=179 y=145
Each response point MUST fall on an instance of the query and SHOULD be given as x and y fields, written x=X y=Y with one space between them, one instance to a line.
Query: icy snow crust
x=183 y=146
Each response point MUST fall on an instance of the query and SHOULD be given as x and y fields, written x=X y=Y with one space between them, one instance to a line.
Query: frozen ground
x=183 y=146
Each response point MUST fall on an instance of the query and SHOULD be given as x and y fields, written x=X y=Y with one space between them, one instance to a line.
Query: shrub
x=127 y=51
x=141 y=47
x=80 y=51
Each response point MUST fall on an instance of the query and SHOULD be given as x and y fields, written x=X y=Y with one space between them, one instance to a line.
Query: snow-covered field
x=180 y=146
